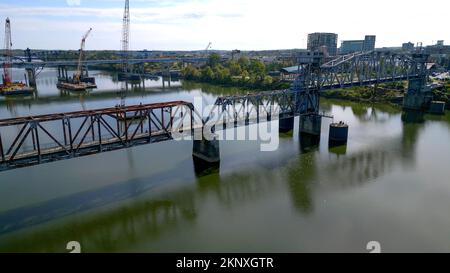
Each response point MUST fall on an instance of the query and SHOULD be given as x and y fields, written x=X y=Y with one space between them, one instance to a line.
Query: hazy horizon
x=187 y=25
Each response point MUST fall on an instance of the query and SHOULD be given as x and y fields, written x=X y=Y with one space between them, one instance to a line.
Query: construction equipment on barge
x=126 y=74
x=78 y=82
x=8 y=87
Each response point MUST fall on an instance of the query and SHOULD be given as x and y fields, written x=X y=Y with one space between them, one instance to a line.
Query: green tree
x=258 y=69
x=190 y=73
x=214 y=59
x=244 y=62
x=267 y=81
x=235 y=68
x=207 y=74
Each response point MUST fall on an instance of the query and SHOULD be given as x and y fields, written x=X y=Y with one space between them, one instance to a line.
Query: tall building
x=318 y=41
x=369 y=42
x=351 y=46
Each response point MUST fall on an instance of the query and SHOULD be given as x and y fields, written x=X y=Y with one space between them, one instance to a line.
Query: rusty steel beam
x=88 y=113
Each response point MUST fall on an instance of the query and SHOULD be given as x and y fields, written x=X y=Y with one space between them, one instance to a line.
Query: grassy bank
x=391 y=93
x=386 y=93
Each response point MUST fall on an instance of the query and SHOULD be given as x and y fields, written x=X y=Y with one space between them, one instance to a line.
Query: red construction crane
x=7 y=67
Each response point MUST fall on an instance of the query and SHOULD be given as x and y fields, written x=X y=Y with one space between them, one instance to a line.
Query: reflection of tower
x=300 y=177
x=413 y=121
x=123 y=93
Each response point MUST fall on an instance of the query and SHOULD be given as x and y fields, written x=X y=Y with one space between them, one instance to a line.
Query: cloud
x=73 y=2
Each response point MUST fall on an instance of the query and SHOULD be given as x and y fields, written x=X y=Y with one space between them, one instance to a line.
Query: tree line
x=243 y=72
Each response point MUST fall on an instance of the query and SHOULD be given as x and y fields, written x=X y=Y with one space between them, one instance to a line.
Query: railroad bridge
x=32 y=140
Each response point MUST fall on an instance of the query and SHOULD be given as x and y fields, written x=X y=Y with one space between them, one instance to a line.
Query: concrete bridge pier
x=310 y=124
x=419 y=95
x=165 y=76
x=286 y=123
x=206 y=152
x=206 y=156
x=62 y=73
x=31 y=75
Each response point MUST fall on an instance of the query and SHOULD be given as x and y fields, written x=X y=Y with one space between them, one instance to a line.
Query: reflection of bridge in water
x=351 y=170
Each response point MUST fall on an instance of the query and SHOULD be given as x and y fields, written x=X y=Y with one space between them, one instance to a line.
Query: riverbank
x=366 y=94
x=385 y=94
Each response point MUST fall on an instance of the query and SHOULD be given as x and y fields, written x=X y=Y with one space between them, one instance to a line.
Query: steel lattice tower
x=125 y=36
x=7 y=54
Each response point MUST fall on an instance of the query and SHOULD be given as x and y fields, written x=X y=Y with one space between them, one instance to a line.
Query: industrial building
x=324 y=42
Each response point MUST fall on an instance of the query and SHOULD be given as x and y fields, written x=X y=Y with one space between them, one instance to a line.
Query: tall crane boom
x=125 y=36
x=77 y=76
x=7 y=75
x=208 y=47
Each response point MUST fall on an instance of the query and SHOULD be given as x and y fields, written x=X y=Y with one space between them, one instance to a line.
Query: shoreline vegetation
x=245 y=73
x=251 y=74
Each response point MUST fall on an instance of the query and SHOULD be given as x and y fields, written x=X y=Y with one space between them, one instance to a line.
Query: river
x=390 y=184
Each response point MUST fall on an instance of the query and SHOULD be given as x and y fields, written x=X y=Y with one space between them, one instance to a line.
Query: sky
x=228 y=24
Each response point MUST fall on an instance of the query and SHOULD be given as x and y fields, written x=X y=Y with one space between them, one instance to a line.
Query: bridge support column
x=286 y=124
x=418 y=97
x=62 y=73
x=206 y=156
x=310 y=124
x=206 y=151
x=31 y=77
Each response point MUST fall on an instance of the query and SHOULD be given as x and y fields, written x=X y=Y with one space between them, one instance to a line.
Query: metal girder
x=358 y=69
x=45 y=138
x=361 y=69
x=253 y=107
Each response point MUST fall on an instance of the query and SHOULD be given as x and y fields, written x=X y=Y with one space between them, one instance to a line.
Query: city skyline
x=191 y=24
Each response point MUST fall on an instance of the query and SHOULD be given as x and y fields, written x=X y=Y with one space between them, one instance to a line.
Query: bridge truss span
x=361 y=69
x=39 y=139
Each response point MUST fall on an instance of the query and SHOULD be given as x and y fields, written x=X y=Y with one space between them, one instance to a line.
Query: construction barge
x=8 y=86
x=80 y=80
x=15 y=89
x=81 y=86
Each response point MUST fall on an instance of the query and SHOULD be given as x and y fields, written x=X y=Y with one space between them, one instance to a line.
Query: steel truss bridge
x=32 y=140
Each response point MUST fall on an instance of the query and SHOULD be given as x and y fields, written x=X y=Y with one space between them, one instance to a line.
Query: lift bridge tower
x=307 y=96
